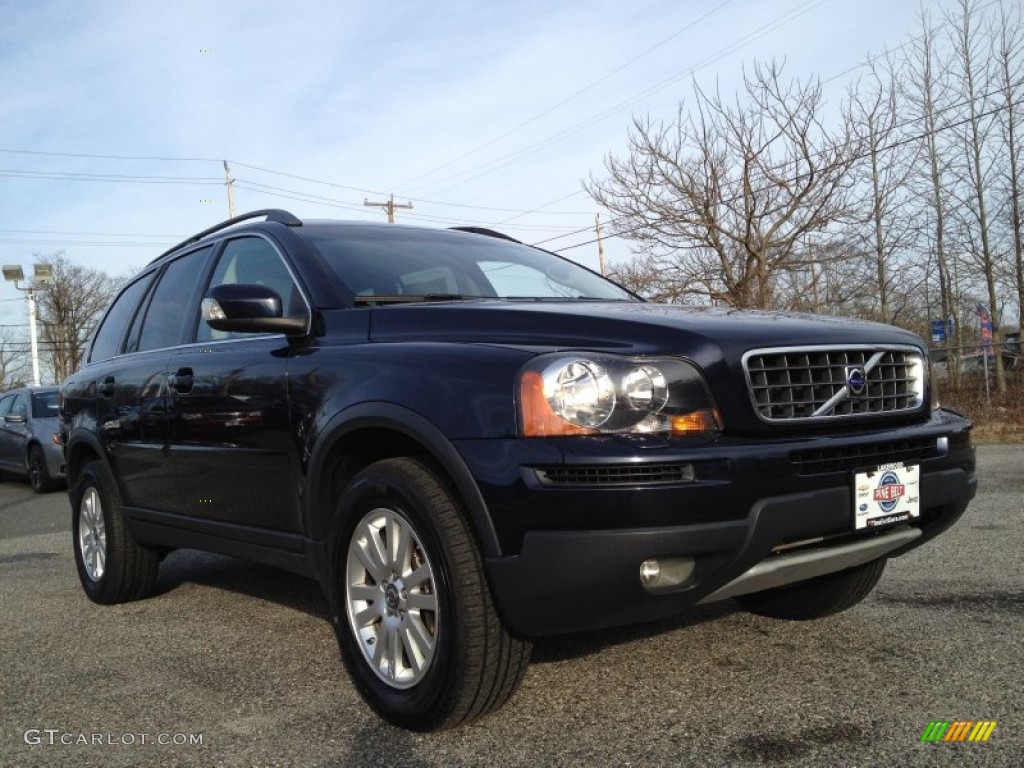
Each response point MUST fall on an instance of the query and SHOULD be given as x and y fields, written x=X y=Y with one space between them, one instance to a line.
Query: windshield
x=413 y=264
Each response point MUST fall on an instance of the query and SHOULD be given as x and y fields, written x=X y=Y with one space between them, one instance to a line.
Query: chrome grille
x=834 y=382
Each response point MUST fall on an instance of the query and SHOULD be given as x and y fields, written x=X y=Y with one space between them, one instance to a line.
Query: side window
x=252 y=260
x=44 y=405
x=20 y=406
x=107 y=342
x=168 y=318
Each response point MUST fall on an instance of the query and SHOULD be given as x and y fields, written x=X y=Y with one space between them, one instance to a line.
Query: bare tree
x=926 y=94
x=974 y=75
x=12 y=360
x=885 y=228
x=836 y=279
x=1008 y=50
x=727 y=196
x=70 y=305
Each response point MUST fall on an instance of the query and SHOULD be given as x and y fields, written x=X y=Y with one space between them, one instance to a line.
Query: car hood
x=632 y=328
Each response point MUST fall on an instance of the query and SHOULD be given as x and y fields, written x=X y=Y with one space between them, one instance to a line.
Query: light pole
x=43 y=274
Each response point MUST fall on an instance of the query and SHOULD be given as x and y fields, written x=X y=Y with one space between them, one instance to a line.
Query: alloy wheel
x=391 y=598
x=92 y=534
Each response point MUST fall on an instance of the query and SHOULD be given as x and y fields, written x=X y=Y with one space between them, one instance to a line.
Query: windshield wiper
x=562 y=298
x=411 y=298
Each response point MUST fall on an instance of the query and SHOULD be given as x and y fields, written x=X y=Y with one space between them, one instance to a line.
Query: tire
x=818 y=597
x=407 y=578
x=112 y=566
x=38 y=474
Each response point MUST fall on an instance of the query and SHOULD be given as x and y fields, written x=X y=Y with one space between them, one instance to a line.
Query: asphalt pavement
x=234 y=664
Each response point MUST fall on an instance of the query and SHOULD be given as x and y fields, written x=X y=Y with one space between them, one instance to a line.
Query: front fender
x=383 y=415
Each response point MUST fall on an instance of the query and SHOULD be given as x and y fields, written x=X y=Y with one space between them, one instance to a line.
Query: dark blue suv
x=470 y=442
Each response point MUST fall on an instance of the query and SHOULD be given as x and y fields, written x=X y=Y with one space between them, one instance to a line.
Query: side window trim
x=131 y=341
x=204 y=282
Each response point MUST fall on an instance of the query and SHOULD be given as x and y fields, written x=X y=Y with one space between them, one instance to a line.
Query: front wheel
x=38 y=473
x=112 y=566
x=416 y=623
x=818 y=597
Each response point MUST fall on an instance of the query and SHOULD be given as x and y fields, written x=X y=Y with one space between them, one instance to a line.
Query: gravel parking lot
x=234 y=664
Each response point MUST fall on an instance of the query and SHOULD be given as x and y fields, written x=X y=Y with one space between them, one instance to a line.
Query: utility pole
x=600 y=243
x=230 y=184
x=389 y=206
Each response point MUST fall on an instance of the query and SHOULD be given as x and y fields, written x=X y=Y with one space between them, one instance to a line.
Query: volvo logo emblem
x=856 y=380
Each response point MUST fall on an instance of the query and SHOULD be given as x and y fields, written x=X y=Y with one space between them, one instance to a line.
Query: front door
x=230 y=436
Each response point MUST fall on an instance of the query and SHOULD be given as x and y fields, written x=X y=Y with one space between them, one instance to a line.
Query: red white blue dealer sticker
x=886 y=495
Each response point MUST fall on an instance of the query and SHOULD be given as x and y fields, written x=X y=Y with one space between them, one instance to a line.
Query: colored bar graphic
x=982 y=731
x=935 y=731
x=958 y=730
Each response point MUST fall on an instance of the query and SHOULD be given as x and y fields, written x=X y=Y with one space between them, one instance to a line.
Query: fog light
x=667 y=572
x=650 y=570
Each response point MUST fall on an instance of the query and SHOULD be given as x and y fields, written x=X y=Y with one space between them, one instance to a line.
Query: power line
x=501 y=161
x=89 y=234
x=414 y=199
x=292 y=194
x=109 y=178
x=87 y=243
x=540 y=207
x=573 y=95
x=110 y=157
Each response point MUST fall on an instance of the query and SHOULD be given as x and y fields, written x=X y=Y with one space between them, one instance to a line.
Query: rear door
x=133 y=387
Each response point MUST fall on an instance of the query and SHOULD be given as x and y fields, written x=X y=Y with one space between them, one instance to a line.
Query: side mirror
x=249 y=308
x=14 y=418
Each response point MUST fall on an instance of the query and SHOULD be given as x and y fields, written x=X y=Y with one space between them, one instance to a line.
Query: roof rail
x=271 y=214
x=485 y=231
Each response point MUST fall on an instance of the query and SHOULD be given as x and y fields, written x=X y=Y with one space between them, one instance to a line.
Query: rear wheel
x=818 y=597
x=112 y=566
x=416 y=623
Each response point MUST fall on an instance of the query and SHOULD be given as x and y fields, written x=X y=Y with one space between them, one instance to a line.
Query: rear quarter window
x=112 y=330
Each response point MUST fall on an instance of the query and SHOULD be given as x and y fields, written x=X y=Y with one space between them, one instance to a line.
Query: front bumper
x=54 y=455
x=565 y=579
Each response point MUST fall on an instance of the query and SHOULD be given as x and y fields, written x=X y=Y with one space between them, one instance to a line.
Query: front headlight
x=586 y=394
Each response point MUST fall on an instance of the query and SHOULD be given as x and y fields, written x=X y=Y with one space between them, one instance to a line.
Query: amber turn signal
x=538 y=418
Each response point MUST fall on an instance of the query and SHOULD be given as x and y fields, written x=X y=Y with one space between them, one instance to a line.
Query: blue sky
x=482 y=113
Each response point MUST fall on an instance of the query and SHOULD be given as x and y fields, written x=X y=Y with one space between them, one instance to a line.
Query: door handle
x=181 y=381
x=106 y=387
